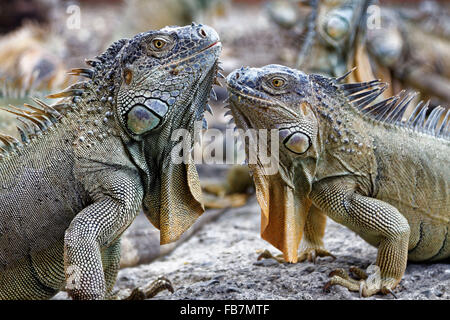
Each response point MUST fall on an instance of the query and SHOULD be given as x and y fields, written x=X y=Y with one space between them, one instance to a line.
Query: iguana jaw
x=178 y=203
x=281 y=221
x=174 y=85
x=215 y=45
x=280 y=224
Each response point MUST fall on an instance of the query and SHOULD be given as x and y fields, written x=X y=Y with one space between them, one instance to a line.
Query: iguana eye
x=277 y=82
x=159 y=43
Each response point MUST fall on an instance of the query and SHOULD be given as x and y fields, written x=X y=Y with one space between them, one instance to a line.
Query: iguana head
x=277 y=97
x=164 y=79
x=164 y=73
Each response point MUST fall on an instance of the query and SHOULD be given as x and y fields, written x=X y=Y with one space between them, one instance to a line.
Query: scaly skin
x=384 y=178
x=88 y=164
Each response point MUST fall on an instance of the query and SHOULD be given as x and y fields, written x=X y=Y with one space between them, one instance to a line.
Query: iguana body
x=359 y=163
x=88 y=164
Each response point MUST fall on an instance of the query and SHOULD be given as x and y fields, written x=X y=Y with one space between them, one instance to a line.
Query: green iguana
x=358 y=162
x=87 y=164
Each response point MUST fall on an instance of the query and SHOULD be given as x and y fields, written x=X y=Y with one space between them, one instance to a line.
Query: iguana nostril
x=237 y=75
x=203 y=33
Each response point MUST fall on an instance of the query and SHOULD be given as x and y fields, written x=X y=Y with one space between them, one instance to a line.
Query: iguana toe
x=311 y=254
x=340 y=273
x=359 y=273
x=266 y=254
x=350 y=284
x=151 y=290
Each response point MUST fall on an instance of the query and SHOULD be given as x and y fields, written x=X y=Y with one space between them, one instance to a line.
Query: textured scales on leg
x=87 y=164
x=312 y=245
x=354 y=159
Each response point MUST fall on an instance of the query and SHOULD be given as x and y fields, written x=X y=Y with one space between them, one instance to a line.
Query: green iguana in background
x=356 y=161
x=87 y=164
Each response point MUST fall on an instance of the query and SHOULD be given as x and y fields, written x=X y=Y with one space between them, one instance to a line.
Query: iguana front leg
x=379 y=223
x=312 y=245
x=94 y=229
x=111 y=266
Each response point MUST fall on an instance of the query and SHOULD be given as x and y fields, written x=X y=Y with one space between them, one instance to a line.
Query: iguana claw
x=368 y=283
x=151 y=290
x=266 y=254
x=391 y=292
x=311 y=254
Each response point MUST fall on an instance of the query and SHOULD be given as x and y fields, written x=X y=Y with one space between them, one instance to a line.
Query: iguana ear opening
x=282 y=219
x=179 y=200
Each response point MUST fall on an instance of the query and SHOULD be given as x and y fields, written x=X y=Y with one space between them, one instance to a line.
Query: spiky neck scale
x=344 y=107
x=340 y=126
x=88 y=103
x=391 y=112
x=133 y=89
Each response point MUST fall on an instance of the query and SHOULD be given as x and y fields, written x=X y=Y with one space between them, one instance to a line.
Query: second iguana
x=86 y=165
x=361 y=163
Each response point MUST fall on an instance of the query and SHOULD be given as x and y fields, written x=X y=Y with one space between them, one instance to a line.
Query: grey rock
x=266 y=263
x=427 y=293
x=224 y=268
x=446 y=275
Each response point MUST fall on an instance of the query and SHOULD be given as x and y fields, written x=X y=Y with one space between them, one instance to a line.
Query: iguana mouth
x=237 y=91
x=210 y=46
x=177 y=62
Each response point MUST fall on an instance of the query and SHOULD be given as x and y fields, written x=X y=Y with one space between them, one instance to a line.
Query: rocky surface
x=220 y=262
